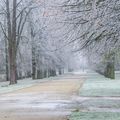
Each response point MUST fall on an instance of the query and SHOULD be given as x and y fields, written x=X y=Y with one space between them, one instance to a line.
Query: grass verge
x=95 y=116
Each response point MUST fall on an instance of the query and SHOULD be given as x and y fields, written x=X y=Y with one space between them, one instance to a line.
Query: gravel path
x=44 y=101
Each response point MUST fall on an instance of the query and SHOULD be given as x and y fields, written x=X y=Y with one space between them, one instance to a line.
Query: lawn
x=24 y=83
x=98 y=85
x=99 y=88
x=95 y=116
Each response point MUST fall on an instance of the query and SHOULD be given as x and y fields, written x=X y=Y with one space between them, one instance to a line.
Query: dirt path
x=44 y=101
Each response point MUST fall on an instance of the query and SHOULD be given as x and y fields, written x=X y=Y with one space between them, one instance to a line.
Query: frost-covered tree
x=96 y=24
x=15 y=15
x=32 y=39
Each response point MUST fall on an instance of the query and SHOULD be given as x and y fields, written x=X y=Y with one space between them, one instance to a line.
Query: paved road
x=50 y=100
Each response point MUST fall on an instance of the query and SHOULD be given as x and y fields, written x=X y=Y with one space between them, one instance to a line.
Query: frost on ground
x=95 y=116
x=99 y=99
x=41 y=100
x=5 y=87
x=98 y=85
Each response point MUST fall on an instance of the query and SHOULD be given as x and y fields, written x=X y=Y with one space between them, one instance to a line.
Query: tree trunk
x=33 y=62
x=12 y=61
x=110 y=67
x=54 y=72
x=12 y=41
x=60 y=71
x=13 y=54
x=45 y=73
x=6 y=53
x=110 y=71
x=7 y=64
x=40 y=74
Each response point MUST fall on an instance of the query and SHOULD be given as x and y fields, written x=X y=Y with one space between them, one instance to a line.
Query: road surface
x=51 y=100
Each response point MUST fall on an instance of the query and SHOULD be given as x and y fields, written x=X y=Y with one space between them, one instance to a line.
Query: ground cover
x=99 y=99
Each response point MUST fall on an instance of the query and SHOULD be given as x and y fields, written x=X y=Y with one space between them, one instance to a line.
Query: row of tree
x=27 y=46
x=39 y=39
x=97 y=27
